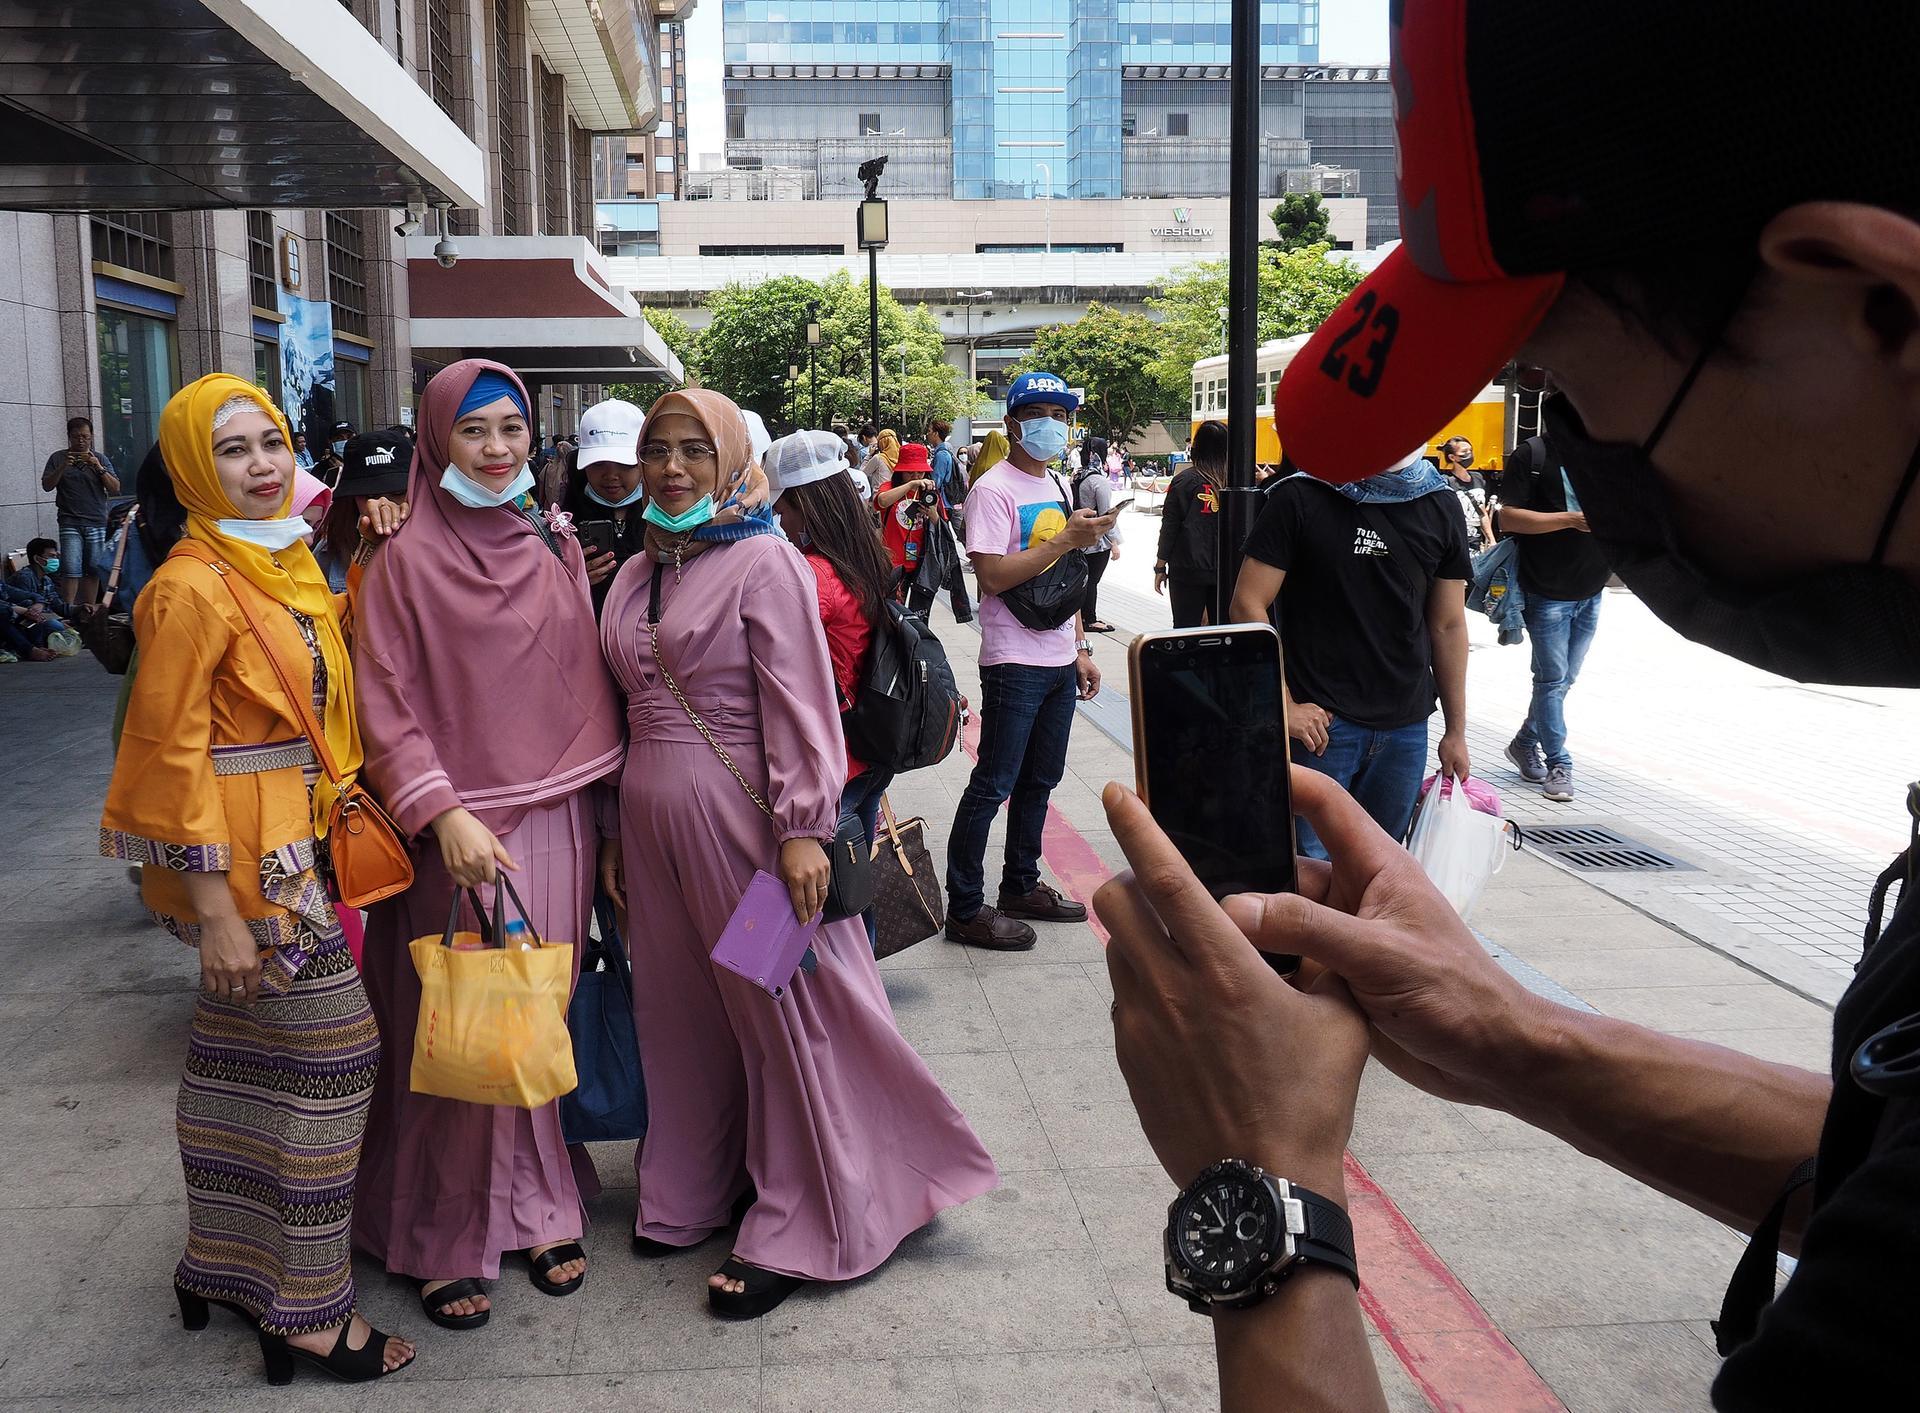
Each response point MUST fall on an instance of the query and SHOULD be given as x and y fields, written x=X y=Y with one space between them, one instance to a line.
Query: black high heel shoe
x=350 y=1366
x=194 y=1311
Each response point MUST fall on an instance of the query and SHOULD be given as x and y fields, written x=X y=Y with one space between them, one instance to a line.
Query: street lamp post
x=793 y=392
x=969 y=295
x=905 y=420
x=872 y=231
x=813 y=365
x=1239 y=501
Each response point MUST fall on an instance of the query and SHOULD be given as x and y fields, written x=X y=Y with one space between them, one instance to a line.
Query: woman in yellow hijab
x=215 y=784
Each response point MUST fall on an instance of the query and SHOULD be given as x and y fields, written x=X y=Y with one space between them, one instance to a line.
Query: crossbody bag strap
x=653 y=634
x=1750 y=1290
x=127 y=529
x=302 y=701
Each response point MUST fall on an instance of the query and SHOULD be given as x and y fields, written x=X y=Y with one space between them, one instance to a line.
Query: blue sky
x=1351 y=32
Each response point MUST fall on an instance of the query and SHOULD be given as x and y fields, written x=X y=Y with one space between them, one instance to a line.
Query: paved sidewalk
x=1575 y=1287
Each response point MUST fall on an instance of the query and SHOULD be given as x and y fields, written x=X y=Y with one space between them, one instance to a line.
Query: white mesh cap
x=801 y=459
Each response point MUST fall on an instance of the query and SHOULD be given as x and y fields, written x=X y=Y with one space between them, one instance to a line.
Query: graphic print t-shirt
x=1353 y=628
x=1008 y=511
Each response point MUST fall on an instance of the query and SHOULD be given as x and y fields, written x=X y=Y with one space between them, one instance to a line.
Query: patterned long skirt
x=272 y=1108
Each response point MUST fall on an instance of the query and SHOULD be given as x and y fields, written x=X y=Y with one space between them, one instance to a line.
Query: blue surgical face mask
x=1043 y=438
x=53 y=564
x=339 y=448
x=631 y=498
x=475 y=496
x=274 y=535
x=692 y=518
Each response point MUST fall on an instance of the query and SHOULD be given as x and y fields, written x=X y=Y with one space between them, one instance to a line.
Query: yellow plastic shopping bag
x=493 y=1013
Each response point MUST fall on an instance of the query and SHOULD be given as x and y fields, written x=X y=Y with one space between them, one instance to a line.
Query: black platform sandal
x=467 y=1288
x=550 y=1258
x=350 y=1366
x=194 y=1311
x=647 y=1248
x=764 y=1291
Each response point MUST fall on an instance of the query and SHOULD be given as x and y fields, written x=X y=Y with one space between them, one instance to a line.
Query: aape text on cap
x=1040 y=387
x=610 y=431
x=1535 y=140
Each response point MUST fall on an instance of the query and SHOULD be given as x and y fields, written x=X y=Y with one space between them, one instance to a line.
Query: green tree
x=1300 y=218
x=1109 y=353
x=758 y=331
x=684 y=342
x=1299 y=289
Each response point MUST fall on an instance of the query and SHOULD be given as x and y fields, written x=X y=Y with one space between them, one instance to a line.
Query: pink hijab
x=484 y=670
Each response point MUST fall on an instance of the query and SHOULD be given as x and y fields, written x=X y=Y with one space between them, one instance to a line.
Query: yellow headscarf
x=993 y=451
x=888 y=444
x=289 y=576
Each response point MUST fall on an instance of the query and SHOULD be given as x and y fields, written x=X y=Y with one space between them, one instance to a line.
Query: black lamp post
x=1240 y=502
x=813 y=365
x=872 y=230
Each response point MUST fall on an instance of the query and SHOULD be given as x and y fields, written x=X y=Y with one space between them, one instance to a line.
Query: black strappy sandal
x=350 y=1366
x=466 y=1288
x=194 y=1311
x=763 y=1294
x=550 y=1258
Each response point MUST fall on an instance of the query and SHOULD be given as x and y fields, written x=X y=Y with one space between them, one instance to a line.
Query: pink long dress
x=815 y=1098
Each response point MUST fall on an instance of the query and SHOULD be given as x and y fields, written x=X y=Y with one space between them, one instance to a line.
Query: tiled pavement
x=1044 y=1295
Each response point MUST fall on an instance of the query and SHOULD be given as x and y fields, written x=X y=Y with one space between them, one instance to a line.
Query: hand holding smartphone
x=1210 y=755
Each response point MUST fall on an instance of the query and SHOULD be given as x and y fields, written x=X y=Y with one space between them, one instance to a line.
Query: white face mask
x=274 y=535
x=475 y=496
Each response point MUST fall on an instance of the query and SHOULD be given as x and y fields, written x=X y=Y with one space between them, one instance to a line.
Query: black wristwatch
x=1237 y=1232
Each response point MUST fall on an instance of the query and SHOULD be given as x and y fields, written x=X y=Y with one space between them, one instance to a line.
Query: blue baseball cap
x=1040 y=387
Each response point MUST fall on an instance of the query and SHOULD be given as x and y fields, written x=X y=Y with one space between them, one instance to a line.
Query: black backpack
x=906 y=710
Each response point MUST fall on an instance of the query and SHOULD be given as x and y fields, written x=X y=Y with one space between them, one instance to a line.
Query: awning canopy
x=543 y=305
x=173 y=104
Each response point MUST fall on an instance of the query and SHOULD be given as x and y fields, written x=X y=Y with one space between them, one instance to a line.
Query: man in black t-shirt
x=1789 y=316
x=1561 y=574
x=81 y=478
x=1470 y=487
x=1371 y=581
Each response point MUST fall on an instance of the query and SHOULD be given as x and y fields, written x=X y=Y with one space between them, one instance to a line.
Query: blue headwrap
x=489 y=387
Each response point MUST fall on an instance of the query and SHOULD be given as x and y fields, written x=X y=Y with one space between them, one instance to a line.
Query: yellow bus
x=1482 y=421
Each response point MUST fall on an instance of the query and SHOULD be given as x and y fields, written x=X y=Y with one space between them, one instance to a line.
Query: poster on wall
x=306 y=364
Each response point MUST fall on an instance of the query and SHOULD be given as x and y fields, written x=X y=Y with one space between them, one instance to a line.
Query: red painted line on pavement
x=1450 y=1347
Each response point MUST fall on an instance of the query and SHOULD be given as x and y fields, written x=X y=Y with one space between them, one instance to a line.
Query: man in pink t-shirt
x=1019 y=522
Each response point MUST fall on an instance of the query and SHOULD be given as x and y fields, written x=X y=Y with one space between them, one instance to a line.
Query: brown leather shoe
x=1043 y=904
x=993 y=930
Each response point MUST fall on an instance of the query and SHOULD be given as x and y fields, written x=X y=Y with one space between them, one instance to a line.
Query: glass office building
x=981 y=99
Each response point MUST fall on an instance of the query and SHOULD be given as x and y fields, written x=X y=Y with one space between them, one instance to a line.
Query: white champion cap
x=610 y=431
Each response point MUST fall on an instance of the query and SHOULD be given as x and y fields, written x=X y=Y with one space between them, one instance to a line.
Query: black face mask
x=1857 y=624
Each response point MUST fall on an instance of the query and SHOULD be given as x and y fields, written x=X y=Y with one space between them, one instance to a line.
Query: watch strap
x=1328 y=1240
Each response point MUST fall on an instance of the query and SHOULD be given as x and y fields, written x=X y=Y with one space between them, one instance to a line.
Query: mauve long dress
x=815 y=1099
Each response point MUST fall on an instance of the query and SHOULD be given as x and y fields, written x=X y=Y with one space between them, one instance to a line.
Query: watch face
x=1226 y=1232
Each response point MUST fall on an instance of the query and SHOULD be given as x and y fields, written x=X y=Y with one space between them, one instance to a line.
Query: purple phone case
x=762 y=942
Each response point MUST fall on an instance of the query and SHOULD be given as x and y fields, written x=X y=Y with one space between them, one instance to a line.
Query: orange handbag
x=370 y=859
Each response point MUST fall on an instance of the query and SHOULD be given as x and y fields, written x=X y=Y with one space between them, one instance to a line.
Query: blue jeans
x=1382 y=770
x=861 y=800
x=1026 y=715
x=1562 y=631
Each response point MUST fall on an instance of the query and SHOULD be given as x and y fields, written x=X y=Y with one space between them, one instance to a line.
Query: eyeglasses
x=695 y=456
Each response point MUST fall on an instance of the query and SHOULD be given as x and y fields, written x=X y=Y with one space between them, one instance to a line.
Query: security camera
x=447 y=253
x=410 y=226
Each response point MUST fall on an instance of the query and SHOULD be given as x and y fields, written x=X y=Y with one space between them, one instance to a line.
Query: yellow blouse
x=214 y=771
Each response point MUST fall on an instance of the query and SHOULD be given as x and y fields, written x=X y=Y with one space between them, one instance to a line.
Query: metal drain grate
x=1596 y=847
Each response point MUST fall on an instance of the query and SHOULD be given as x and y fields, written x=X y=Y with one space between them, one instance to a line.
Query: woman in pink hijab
x=488 y=714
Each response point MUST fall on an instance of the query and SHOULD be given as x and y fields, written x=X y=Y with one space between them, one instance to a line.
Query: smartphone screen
x=1210 y=751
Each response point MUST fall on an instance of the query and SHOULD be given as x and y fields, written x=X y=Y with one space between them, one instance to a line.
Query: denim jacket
x=1495 y=590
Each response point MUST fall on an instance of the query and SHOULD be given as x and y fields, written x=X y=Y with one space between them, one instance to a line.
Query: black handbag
x=610 y=1103
x=106 y=632
x=847 y=855
x=1055 y=594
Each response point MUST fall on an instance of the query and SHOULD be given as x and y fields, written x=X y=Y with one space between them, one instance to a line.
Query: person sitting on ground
x=1788 y=318
x=37 y=578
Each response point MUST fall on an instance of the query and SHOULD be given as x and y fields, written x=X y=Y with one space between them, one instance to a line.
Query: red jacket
x=849 y=635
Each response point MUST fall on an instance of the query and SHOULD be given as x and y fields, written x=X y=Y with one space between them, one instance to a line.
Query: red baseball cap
x=1536 y=139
